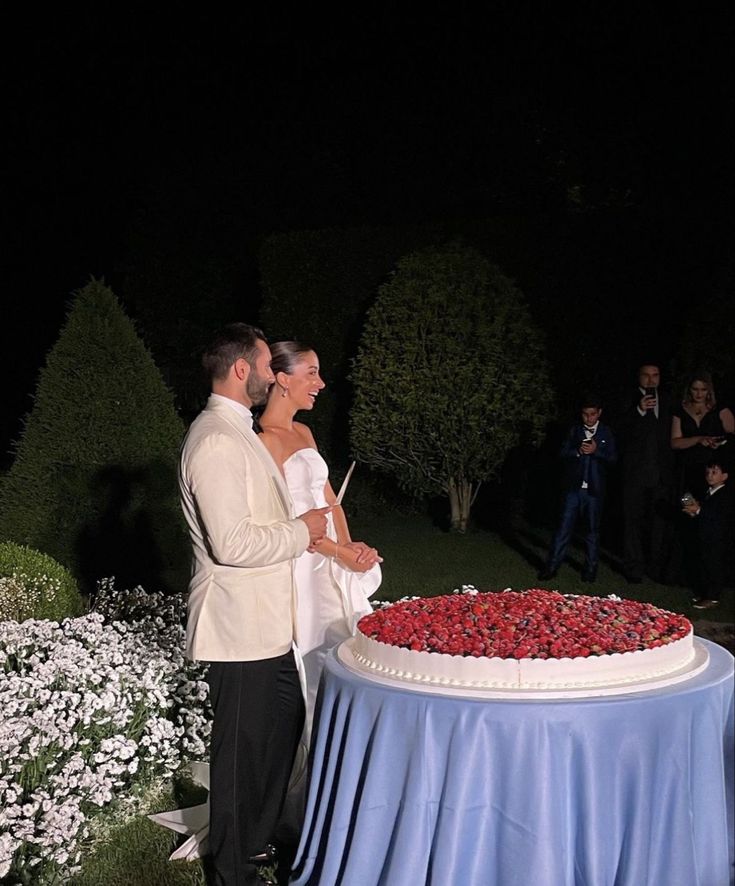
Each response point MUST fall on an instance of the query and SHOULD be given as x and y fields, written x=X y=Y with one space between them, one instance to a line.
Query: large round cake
x=535 y=639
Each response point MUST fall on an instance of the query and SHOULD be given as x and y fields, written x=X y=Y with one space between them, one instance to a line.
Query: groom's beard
x=257 y=389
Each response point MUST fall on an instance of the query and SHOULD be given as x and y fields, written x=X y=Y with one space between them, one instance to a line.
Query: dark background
x=169 y=146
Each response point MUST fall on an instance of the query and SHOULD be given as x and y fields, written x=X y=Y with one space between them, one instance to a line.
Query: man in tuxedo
x=241 y=599
x=647 y=474
x=586 y=453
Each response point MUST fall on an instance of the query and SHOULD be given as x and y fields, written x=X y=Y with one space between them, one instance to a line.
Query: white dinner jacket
x=239 y=513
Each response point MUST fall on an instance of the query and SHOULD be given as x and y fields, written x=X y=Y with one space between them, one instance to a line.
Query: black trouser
x=712 y=576
x=258 y=717
x=644 y=530
x=578 y=503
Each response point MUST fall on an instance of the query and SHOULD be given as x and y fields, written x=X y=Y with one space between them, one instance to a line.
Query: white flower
x=8 y=847
x=91 y=706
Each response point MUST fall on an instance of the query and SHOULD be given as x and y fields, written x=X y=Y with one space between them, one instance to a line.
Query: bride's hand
x=365 y=554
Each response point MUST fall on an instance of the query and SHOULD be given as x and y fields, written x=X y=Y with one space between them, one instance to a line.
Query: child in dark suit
x=714 y=516
x=587 y=451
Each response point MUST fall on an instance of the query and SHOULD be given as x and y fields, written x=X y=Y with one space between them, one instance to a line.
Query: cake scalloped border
x=406 y=675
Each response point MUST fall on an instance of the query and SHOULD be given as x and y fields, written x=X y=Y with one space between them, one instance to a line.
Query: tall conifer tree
x=94 y=479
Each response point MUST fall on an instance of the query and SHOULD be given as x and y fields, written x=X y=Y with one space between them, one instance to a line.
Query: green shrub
x=34 y=585
x=451 y=374
x=94 y=479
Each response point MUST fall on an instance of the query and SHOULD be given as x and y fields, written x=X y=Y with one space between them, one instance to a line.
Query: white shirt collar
x=713 y=489
x=239 y=408
x=590 y=432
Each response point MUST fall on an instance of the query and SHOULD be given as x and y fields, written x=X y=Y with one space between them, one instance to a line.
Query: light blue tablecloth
x=410 y=788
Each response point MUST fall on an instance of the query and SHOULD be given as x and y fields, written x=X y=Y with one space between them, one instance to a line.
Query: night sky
x=211 y=132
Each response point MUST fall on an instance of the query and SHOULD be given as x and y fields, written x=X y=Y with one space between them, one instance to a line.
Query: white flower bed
x=91 y=710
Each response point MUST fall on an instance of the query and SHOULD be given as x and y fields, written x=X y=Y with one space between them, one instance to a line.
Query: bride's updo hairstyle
x=285 y=355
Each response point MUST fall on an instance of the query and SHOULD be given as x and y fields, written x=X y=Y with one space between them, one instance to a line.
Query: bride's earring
x=284 y=392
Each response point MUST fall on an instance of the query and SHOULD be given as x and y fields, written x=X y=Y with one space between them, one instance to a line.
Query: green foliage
x=450 y=374
x=94 y=479
x=34 y=585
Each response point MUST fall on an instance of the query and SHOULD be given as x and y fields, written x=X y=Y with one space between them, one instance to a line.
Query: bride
x=334 y=577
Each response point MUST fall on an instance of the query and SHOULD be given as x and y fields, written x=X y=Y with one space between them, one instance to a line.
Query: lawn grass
x=419 y=560
x=137 y=853
x=422 y=560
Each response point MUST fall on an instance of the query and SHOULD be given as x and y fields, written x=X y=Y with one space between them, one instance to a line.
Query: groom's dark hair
x=229 y=344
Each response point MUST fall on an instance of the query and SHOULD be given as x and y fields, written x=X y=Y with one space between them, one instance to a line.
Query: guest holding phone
x=698 y=426
x=647 y=472
x=586 y=454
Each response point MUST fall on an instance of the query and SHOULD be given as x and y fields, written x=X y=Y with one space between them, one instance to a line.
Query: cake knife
x=345 y=482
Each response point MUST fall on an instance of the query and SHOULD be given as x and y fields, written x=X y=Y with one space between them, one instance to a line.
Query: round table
x=411 y=787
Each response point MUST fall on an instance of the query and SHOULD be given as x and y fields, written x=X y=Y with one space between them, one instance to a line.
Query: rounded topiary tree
x=34 y=585
x=94 y=479
x=449 y=376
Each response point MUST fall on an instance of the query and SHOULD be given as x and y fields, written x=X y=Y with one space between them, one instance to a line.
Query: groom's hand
x=316 y=523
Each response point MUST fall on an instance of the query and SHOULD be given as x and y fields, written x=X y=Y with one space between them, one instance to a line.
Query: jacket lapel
x=251 y=439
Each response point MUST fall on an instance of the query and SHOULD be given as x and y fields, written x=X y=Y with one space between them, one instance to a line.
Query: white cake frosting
x=543 y=673
x=498 y=673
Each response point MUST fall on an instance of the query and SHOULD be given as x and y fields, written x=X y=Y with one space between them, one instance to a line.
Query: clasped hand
x=355 y=555
x=365 y=554
x=316 y=523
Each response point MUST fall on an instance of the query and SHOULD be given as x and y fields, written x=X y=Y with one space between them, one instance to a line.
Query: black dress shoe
x=546 y=574
x=268 y=856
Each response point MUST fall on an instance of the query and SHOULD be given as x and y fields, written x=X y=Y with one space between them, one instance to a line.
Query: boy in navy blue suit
x=714 y=515
x=587 y=451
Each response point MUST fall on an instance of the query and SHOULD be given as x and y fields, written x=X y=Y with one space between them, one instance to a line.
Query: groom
x=240 y=608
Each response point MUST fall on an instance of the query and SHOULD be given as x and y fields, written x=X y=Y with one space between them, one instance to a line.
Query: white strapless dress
x=330 y=599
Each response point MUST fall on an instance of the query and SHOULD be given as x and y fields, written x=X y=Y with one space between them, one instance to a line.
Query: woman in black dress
x=698 y=426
